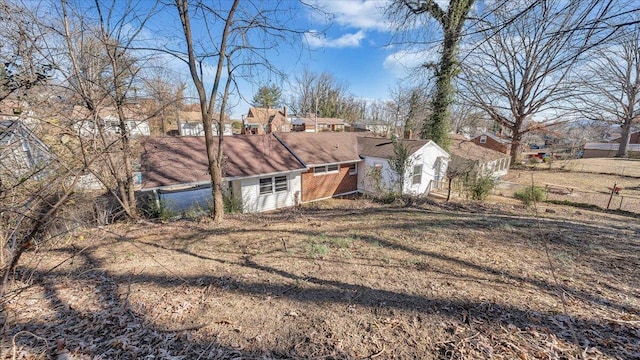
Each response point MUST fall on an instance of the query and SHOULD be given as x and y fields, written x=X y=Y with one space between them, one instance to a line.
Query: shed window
x=273 y=184
x=417 y=174
x=322 y=170
x=353 y=169
x=281 y=183
x=483 y=139
x=266 y=186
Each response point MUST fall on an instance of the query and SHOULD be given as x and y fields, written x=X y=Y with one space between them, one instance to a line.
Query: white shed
x=427 y=165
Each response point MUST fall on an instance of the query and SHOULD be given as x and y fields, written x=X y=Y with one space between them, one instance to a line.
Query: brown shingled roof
x=383 y=148
x=180 y=160
x=322 y=148
x=465 y=148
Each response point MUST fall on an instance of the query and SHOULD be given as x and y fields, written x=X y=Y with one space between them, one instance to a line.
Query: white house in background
x=197 y=129
x=259 y=170
x=136 y=121
x=427 y=165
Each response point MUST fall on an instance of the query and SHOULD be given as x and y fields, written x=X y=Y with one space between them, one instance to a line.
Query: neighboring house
x=22 y=153
x=596 y=150
x=634 y=138
x=331 y=161
x=486 y=161
x=311 y=123
x=493 y=142
x=136 y=121
x=427 y=165
x=377 y=128
x=259 y=170
x=265 y=121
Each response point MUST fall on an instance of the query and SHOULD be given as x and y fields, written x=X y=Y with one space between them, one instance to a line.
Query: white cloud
x=319 y=40
x=359 y=14
x=401 y=61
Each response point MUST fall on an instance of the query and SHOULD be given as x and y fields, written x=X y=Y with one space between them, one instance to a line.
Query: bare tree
x=321 y=94
x=521 y=70
x=246 y=32
x=102 y=75
x=610 y=86
x=22 y=67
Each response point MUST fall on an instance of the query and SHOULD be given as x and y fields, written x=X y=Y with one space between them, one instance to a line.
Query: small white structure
x=426 y=166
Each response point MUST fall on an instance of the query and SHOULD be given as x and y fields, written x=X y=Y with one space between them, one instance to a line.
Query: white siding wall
x=427 y=156
x=254 y=202
x=366 y=182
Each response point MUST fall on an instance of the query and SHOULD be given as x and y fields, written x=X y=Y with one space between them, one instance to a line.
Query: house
x=22 y=153
x=493 y=142
x=312 y=123
x=376 y=127
x=485 y=160
x=136 y=121
x=258 y=170
x=265 y=121
x=426 y=166
x=331 y=161
x=595 y=150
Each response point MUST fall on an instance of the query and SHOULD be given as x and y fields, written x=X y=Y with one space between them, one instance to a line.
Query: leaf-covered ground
x=341 y=279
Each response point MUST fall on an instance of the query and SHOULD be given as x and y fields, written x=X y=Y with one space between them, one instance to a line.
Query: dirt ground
x=581 y=187
x=343 y=279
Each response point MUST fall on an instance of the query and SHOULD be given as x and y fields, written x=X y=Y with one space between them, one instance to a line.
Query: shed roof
x=178 y=160
x=322 y=148
x=383 y=148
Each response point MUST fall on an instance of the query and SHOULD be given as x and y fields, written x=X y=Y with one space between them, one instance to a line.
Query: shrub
x=157 y=210
x=232 y=204
x=479 y=187
x=530 y=194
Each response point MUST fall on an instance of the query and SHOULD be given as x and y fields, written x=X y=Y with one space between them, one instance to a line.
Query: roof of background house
x=322 y=148
x=465 y=148
x=179 y=160
x=320 y=120
x=263 y=115
x=493 y=136
x=383 y=148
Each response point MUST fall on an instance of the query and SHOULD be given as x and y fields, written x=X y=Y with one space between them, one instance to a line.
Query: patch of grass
x=341 y=243
x=316 y=249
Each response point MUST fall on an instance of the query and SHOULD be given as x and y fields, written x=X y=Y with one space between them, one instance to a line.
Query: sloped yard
x=344 y=279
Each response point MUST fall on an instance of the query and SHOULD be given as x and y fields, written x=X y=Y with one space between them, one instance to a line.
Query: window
x=417 y=175
x=273 y=184
x=483 y=139
x=353 y=169
x=281 y=183
x=266 y=186
x=322 y=170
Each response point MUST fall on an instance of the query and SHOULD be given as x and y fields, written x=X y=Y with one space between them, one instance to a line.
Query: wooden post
x=620 y=206
x=613 y=190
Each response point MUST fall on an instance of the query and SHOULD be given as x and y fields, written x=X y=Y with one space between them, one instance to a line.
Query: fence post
x=611 y=196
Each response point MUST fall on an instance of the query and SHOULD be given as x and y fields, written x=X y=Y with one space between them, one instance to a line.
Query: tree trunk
x=624 y=140
x=516 y=148
x=436 y=127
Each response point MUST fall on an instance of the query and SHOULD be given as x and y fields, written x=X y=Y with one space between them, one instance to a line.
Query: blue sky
x=350 y=40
